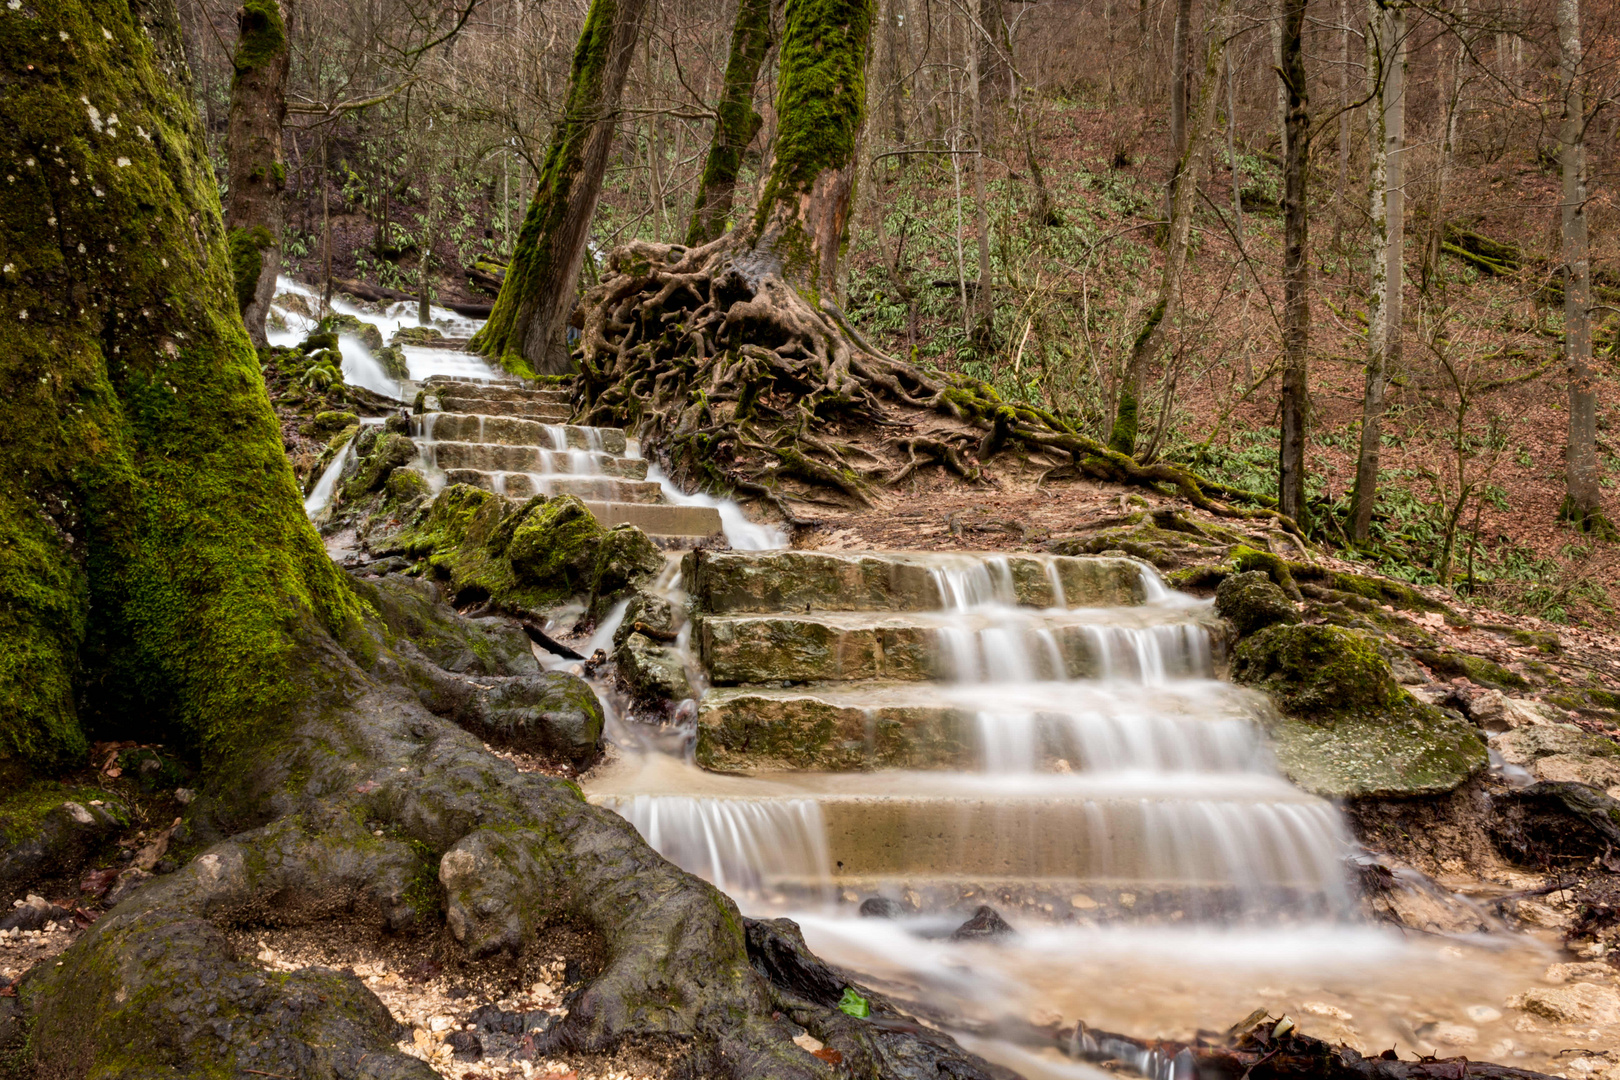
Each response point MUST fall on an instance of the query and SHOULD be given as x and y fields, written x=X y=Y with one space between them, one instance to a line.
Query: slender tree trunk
x=526 y=330
x=326 y=234
x=1296 y=270
x=1150 y=339
x=1231 y=156
x=978 y=51
x=736 y=122
x=1448 y=150
x=1386 y=62
x=1583 y=504
x=803 y=213
x=256 y=171
x=1277 y=17
x=1180 y=49
x=1342 y=194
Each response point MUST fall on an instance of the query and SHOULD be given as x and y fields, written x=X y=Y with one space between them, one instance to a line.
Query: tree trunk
x=1296 y=270
x=1150 y=339
x=1386 y=67
x=736 y=122
x=1583 y=503
x=799 y=227
x=1180 y=50
x=255 y=169
x=1341 y=192
x=526 y=332
x=979 y=49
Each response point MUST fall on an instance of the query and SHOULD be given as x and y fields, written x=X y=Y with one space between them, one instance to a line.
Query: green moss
x=22 y=808
x=247 y=247
x=153 y=488
x=263 y=36
x=382 y=457
x=1384 y=591
x=330 y=423
x=341 y=323
x=1319 y=671
x=1243 y=559
x=557 y=542
x=1476 y=668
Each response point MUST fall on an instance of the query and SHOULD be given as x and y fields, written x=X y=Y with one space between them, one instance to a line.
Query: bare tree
x=1296 y=269
x=257 y=172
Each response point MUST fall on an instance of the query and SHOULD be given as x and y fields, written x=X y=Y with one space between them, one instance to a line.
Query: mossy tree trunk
x=256 y=171
x=1150 y=339
x=1296 y=268
x=736 y=122
x=526 y=332
x=800 y=225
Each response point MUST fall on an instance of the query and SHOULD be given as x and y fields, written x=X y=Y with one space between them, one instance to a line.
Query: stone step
x=841 y=727
x=445 y=386
x=601 y=489
x=517 y=431
x=659 y=519
x=543 y=411
x=911 y=646
x=904 y=581
x=506 y=457
x=1251 y=831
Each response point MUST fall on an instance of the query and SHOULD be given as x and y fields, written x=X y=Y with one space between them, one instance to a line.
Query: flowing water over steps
x=513 y=440
x=954 y=724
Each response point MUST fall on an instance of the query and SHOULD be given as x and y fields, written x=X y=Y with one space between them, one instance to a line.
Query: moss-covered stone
x=557 y=542
x=417 y=335
x=339 y=323
x=1449 y=664
x=1384 y=591
x=625 y=560
x=1243 y=559
x=48 y=831
x=386 y=453
x=653 y=671
x=327 y=424
x=1252 y=601
x=1349 y=729
x=394 y=365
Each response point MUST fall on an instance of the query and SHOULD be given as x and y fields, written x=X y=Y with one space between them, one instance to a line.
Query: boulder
x=415 y=610
x=554 y=714
x=625 y=559
x=655 y=672
x=368 y=333
x=1252 y=601
x=380 y=456
x=417 y=335
x=556 y=543
x=1578 y=1003
x=44 y=835
x=650 y=610
x=1562 y=752
x=392 y=359
x=1348 y=729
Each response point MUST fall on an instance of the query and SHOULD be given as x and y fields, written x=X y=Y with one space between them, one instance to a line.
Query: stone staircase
x=959 y=725
x=514 y=440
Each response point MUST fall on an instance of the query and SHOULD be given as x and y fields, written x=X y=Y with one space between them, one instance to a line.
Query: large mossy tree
x=158 y=579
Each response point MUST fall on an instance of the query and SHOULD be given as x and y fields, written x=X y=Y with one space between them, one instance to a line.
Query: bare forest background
x=1010 y=222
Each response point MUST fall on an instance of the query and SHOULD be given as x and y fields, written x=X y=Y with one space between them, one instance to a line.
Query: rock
x=556 y=543
x=1577 y=1003
x=385 y=454
x=653 y=670
x=327 y=424
x=1561 y=752
x=127 y=882
x=46 y=837
x=394 y=364
x=417 y=335
x=554 y=713
x=1558 y=974
x=651 y=609
x=465 y=1045
x=985 y=925
x=625 y=559
x=415 y=610
x=32 y=913
x=881 y=907
x=1252 y=601
x=1555 y=821
x=1349 y=729
x=1454 y=1035
x=368 y=333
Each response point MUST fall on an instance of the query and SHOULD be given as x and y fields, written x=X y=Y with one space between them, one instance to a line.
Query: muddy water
x=1148 y=752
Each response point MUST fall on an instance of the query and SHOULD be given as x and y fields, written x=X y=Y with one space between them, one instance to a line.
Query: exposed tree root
x=745 y=384
x=376 y=812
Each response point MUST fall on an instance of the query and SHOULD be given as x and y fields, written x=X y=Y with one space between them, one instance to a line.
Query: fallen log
x=471 y=311
x=373 y=293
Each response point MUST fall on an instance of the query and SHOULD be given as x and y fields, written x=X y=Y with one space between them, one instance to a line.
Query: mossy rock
x=626 y=559
x=50 y=831
x=417 y=335
x=653 y=671
x=1476 y=668
x=368 y=333
x=327 y=424
x=417 y=612
x=392 y=359
x=1244 y=559
x=1349 y=730
x=1252 y=601
x=1384 y=591
x=405 y=487
x=319 y=341
x=557 y=542
x=387 y=452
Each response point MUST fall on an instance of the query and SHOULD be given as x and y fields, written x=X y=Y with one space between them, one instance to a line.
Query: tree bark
x=256 y=172
x=1150 y=339
x=1180 y=75
x=736 y=122
x=1583 y=502
x=1296 y=270
x=979 y=49
x=526 y=332
x=1386 y=67
x=800 y=225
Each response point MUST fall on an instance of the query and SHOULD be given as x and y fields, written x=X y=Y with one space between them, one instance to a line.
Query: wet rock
x=368 y=333
x=625 y=559
x=556 y=543
x=1555 y=822
x=652 y=611
x=127 y=883
x=377 y=463
x=416 y=610
x=1562 y=752
x=1577 y=1003
x=1348 y=729
x=652 y=670
x=417 y=335
x=465 y=1045
x=393 y=362
x=985 y=925
x=1252 y=601
x=881 y=907
x=554 y=713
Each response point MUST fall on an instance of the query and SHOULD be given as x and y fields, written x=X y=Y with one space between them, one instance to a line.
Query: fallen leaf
x=97 y=882
x=829 y=1055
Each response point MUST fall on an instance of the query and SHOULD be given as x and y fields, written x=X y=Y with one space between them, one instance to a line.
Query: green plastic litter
x=853 y=1004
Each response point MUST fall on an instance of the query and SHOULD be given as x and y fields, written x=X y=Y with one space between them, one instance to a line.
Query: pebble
x=1483 y=1014
x=1454 y=1035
